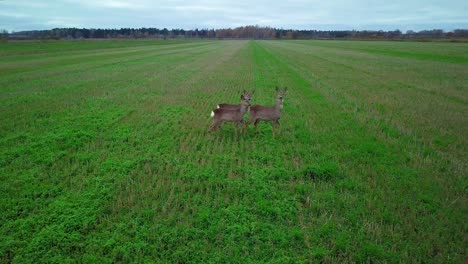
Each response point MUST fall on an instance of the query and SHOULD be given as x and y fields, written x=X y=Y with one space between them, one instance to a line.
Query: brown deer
x=221 y=115
x=234 y=106
x=268 y=113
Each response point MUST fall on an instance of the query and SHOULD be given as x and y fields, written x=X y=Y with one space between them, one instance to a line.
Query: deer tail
x=217 y=106
x=212 y=114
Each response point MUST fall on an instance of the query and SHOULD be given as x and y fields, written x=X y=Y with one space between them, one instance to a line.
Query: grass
x=105 y=155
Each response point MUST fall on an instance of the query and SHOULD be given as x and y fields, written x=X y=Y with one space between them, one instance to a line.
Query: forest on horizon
x=246 y=32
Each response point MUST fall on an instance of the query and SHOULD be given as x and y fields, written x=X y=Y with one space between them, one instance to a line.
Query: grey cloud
x=340 y=14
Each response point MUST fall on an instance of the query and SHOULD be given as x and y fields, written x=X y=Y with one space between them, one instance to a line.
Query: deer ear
x=285 y=89
x=276 y=88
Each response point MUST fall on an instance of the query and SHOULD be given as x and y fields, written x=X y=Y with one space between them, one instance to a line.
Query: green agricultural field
x=105 y=155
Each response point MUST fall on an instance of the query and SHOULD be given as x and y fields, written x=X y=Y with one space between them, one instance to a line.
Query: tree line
x=246 y=32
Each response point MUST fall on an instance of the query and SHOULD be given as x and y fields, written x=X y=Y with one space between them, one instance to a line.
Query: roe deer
x=221 y=115
x=234 y=106
x=268 y=113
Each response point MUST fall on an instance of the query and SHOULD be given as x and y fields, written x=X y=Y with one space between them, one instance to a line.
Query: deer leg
x=238 y=125
x=278 y=123
x=273 y=127
x=245 y=125
x=256 y=124
x=216 y=124
x=212 y=127
x=241 y=126
x=250 y=121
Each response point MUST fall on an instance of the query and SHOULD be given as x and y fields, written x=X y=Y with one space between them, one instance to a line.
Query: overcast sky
x=20 y=15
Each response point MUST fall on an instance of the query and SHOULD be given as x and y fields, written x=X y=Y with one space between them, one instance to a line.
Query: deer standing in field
x=236 y=114
x=268 y=113
x=234 y=106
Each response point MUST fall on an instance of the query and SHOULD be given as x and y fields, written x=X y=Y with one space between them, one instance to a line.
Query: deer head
x=280 y=95
x=245 y=98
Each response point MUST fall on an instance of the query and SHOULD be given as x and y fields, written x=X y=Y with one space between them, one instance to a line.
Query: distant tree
x=86 y=33
x=3 y=35
x=203 y=33
x=100 y=33
x=77 y=34
x=460 y=33
x=211 y=33
x=164 y=32
x=435 y=33
x=396 y=33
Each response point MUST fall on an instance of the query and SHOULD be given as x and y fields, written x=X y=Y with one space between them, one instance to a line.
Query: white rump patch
x=212 y=113
x=217 y=106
